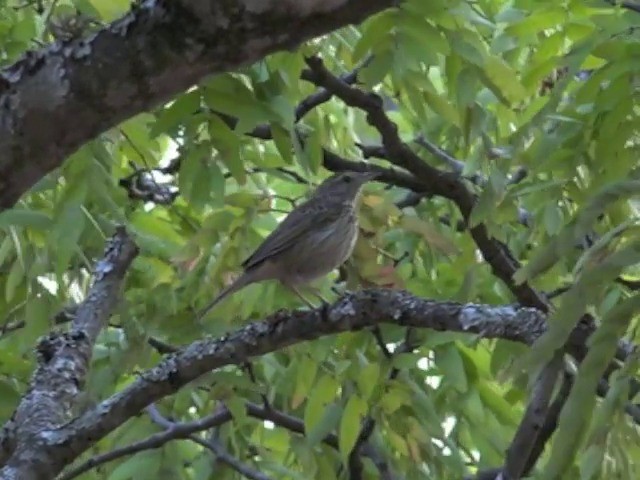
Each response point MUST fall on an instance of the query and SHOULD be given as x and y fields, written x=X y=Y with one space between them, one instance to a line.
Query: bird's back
x=305 y=229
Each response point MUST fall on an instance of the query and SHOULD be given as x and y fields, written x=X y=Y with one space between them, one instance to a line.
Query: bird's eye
x=347 y=179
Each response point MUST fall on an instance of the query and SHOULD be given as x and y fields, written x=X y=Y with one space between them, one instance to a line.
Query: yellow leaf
x=432 y=236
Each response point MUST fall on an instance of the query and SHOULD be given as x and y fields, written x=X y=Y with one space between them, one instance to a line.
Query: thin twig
x=225 y=457
x=217 y=449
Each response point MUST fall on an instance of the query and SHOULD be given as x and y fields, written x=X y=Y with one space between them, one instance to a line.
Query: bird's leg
x=340 y=292
x=301 y=297
x=316 y=293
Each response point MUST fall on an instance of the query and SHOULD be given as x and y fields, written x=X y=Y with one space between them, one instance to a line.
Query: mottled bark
x=354 y=312
x=63 y=362
x=57 y=98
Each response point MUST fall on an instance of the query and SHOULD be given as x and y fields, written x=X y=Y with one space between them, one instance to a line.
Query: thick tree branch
x=183 y=430
x=353 y=312
x=57 y=98
x=63 y=361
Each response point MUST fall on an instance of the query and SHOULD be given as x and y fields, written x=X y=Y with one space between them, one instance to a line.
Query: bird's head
x=345 y=185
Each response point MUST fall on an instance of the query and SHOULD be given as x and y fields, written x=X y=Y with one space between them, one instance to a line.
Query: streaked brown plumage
x=315 y=238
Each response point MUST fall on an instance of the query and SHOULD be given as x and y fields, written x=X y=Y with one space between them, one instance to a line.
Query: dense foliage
x=530 y=106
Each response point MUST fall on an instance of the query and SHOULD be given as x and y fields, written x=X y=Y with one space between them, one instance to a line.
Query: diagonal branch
x=182 y=430
x=369 y=423
x=63 y=362
x=352 y=312
x=527 y=437
x=218 y=450
x=177 y=431
x=445 y=184
x=229 y=460
x=57 y=98
x=550 y=422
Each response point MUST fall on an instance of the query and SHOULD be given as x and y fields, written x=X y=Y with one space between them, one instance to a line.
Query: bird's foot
x=341 y=292
x=325 y=308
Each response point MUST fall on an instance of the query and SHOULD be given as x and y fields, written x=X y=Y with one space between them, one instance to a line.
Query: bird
x=314 y=238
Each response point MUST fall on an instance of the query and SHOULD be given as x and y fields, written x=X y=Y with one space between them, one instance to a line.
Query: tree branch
x=220 y=453
x=55 y=99
x=63 y=362
x=369 y=423
x=225 y=457
x=550 y=422
x=445 y=184
x=527 y=438
x=182 y=430
x=351 y=313
x=177 y=431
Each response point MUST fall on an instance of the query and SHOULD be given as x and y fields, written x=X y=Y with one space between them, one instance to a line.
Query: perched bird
x=315 y=238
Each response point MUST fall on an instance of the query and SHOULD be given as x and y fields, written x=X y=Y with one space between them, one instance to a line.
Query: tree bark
x=55 y=99
x=63 y=362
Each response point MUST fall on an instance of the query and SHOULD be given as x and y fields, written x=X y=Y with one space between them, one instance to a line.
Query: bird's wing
x=310 y=215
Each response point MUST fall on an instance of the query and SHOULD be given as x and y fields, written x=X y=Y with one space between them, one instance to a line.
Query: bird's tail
x=239 y=283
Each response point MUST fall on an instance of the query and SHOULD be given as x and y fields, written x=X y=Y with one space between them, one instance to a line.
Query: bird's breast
x=322 y=250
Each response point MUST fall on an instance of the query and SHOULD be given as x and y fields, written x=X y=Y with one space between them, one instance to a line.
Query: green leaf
x=575 y=417
x=229 y=95
x=368 y=377
x=350 y=424
x=10 y=397
x=374 y=32
x=450 y=363
x=141 y=465
x=538 y=21
x=281 y=138
x=553 y=219
x=169 y=118
x=503 y=81
x=307 y=370
x=237 y=407
x=38 y=319
x=327 y=423
x=322 y=394
x=14 y=279
x=16 y=217
x=485 y=206
x=68 y=228
x=569 y=236
x=377 y=69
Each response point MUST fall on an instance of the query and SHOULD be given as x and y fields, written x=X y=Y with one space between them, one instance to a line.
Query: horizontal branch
x=177 y=431
x=183 y=430
x=351 y=313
